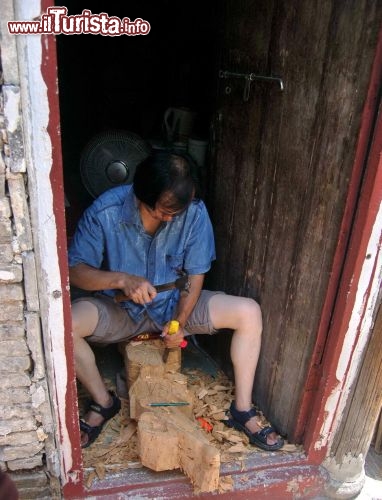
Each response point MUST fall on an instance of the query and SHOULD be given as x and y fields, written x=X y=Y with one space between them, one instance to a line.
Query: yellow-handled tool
x=173 y=328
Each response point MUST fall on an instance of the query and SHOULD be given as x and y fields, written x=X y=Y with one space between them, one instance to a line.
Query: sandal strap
x=107 y=413
x=85 y=427
x=242 y=416
x=265 y=431
x=92 y=432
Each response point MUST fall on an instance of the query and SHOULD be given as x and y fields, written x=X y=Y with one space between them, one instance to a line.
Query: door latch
x=249 y=78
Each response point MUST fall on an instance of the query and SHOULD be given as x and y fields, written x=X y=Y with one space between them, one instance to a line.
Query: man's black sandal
x=107 y=413
x=238 y=421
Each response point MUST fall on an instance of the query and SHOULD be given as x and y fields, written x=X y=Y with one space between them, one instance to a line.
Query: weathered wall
x=25 y=414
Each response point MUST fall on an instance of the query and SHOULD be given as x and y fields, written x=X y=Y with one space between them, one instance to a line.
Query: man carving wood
x=132 y=238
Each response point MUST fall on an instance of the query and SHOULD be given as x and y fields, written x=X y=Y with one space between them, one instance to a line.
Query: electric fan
x=110 y=159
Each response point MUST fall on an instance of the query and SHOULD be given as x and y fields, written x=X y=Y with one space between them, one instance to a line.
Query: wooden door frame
x=332 y=351
x=359 y=229
x=72 y=473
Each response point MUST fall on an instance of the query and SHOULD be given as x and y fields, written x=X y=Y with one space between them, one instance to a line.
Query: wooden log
x=168 y=437
x=170 y=440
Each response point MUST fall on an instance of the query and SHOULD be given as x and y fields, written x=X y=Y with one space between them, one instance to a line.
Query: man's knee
x=84 y=318
x=229 y=311
x=249 y=310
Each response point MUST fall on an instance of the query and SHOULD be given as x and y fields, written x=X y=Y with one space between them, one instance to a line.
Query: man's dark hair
x=165 y=173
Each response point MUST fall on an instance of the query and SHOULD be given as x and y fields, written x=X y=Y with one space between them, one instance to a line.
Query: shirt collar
x=130 y=212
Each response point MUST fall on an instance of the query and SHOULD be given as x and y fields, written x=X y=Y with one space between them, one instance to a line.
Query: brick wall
x=26 y=427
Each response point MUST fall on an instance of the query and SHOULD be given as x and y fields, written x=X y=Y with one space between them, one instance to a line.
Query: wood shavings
x=100 y=470
x=225 y=484
x=289 y=448
x=229 y=436
x=202 y=393
x=117 y=448
x=237 y=448
x=127 y=432
x=221 y=388
x=90 y=478
x=218 y=414
x=213 y=397
x=211 y=392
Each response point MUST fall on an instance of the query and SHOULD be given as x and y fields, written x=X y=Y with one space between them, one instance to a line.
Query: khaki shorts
x=115 y=325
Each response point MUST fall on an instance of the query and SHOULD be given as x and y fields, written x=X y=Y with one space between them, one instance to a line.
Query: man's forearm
x=187 y=302
x=138 y=289
x=89 y=278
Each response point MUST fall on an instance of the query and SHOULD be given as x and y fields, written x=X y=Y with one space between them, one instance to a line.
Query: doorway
x=126 y=84
x=278 y=182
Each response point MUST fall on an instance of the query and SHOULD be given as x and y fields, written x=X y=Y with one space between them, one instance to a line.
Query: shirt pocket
x=174 y=265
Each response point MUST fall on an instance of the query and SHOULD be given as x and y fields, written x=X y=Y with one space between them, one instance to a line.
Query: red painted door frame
x=364 y=197
x=347 y=266
x=74 y=488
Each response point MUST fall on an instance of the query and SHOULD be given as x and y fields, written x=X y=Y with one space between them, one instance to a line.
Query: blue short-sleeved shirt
x=110 y=236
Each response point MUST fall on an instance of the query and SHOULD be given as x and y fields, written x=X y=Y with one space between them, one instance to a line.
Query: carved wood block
x=168 y=437
x=140 y=354
x=170 y=440
x=152 y=353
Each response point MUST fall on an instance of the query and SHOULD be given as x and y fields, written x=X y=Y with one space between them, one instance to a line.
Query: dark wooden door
x=281 y=168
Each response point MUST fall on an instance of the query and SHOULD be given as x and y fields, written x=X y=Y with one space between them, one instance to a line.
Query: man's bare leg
x=84 y=321
x=242 y=315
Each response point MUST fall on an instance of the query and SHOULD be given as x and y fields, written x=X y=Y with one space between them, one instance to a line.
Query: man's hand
x=173 y=340
x=138 y=289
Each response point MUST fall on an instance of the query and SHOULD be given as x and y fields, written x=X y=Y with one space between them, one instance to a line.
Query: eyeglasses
x=170 y=214
x=165 y=213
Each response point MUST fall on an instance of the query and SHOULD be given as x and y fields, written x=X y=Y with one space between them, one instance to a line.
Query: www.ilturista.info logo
x=57 y=22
